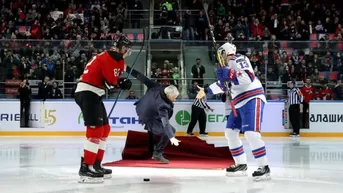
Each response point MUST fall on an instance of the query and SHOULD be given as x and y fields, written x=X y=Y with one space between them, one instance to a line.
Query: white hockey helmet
x=228 y=49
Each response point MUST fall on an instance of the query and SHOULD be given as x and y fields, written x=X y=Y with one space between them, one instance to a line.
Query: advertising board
x=64 y=116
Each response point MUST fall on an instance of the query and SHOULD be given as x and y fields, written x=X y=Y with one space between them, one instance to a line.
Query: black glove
x=124 y=83
x=223 y=97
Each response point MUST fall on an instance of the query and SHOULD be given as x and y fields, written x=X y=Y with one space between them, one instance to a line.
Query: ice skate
x=107 y=172
x=237 y=170
x=89 y=175
x=262 y=173
x=159 y=157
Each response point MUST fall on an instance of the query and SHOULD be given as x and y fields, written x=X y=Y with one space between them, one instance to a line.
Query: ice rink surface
x=50 y=165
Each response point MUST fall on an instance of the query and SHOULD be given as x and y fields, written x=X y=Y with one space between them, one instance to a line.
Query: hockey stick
x=132 y=67
x=221 y=63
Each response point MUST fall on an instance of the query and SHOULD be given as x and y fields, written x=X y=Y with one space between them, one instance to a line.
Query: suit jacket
x=197 y=74
x=337 y=93
x=154 y=109
x=44 y=90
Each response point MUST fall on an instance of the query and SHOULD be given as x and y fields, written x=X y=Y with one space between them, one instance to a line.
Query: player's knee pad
x=254 y=139
x=252 y=135
x=107 y=130
x=231 y=134
x=95 y=132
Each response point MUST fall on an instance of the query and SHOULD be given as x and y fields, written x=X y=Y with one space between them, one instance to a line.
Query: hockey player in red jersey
x=102 y=71
x=325 y=93
x=309 y=94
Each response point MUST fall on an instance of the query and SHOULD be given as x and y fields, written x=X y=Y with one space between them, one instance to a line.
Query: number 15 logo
x=49 y=117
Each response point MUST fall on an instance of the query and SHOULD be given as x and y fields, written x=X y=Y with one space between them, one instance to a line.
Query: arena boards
x=63 y=118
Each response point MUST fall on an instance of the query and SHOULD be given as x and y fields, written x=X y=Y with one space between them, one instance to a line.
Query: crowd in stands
x=57 y=38
x=276 y=35
x=166 y=74
x=167 y=13
x=272 y=33
x=61 y=19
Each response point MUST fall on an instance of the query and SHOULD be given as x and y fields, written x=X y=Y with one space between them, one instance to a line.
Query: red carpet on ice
x=192 y=153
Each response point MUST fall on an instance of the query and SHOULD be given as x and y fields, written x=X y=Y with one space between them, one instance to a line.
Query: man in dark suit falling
x=155 y=109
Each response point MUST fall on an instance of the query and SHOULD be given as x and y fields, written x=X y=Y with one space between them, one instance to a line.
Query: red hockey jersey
x=325 y=94
x=102 y=68
x=309 y=93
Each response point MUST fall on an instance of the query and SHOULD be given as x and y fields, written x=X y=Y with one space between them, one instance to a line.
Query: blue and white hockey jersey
x=244 y=85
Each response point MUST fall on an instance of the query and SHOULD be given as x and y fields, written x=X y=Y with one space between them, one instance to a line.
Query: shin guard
x=102 y=144
x=257 y=146
x=91 y=146
x=236 y=146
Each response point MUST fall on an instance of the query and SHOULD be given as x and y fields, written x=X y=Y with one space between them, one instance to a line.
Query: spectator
x=241 y=31
x=271 y=76
x=189 y=25
x=337 y=90
x=319 y=27
x=201 y=25
x=157 y=74
x=44 y=89
x=315 y=76
x=176 y=77
x=309 y=94
x=25 y=96
x=137 y=14
x=44 y=72
x=325 y=93
x=198 y=72
x=193 y=90
x=56 y=93
x=132 y=95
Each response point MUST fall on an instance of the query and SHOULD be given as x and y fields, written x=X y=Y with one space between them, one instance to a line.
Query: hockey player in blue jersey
x=249 y=100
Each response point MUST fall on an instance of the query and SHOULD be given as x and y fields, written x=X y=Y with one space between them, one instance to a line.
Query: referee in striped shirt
x=198 y=114
x=295 y=97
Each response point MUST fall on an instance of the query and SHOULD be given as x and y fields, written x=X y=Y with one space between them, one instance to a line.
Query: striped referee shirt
x=201 y=103
x=295 y=96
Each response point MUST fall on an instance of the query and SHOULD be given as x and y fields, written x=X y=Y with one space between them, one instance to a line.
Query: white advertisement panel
x=326 y=117
x=66 y=116
x=9 y=115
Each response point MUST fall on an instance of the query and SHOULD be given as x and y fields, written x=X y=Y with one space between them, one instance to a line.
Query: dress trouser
x=294 y=116
x=161 y=145
x=198 y=114
x=305 y=115
x=25 y=112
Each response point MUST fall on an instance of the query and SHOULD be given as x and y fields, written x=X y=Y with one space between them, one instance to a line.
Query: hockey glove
x=124 y=83
x=219 y=73
x=224 y=74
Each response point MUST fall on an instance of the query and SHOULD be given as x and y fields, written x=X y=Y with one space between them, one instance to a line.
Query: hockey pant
x=248 y=121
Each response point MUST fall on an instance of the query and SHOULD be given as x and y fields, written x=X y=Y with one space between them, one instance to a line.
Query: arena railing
x=77 y=53
x=274 y=90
